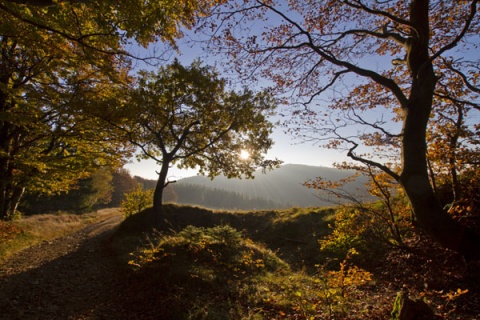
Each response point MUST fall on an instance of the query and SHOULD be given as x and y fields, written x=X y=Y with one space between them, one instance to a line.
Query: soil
x=73 y=277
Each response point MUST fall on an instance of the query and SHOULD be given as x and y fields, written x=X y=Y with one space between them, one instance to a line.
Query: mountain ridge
x=283 y=185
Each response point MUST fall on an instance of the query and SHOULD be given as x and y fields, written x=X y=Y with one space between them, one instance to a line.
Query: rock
x=405 y=308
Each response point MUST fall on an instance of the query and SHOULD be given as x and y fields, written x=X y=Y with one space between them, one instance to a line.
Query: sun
x=244 y=154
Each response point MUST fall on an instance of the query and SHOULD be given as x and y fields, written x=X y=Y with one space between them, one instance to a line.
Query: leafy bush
x=221 y=248
x=348 y=232
x=8 y=231
x=368 y=228
x=136 y=201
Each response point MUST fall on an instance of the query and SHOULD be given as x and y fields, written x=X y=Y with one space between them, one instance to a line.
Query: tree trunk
x=158 y=194
x=406 y=309
x=428 y=213
x=3 y=199
x=7 y=202
x=15 y=200
x=9 y=199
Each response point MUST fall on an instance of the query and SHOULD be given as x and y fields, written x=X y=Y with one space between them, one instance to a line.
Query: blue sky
x=286 y=147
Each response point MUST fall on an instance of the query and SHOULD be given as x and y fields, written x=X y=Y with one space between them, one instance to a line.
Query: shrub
x=368 y=228
x=348 y=232
x=222 y=249
x=8 y=231
x=136 y=201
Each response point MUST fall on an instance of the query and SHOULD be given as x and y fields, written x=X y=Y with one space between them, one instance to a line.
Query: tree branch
x=463 y=76
x=381 y=35
x=77 y=39
x=386 y=82
x=375 y=164
x=44 y=3
x=359 y=5
x=451 y=45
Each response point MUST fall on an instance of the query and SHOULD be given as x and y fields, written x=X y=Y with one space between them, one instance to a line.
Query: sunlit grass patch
x=19 y=234
x=221 y=248
x=205 y=269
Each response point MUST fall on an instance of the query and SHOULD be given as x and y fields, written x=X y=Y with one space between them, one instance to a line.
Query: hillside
x=282 y=186
x=202 y=264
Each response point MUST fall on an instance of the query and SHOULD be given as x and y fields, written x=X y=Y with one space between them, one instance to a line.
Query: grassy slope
x=191 y=274
x=275 y=272
x=292 y=233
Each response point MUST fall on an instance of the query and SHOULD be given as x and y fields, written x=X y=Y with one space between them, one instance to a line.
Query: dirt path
x=73 y=277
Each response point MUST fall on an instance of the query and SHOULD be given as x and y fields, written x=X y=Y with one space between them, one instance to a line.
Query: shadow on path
x=73 y=277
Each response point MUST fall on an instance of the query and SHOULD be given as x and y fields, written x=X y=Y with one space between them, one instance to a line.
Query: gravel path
x=73 y=277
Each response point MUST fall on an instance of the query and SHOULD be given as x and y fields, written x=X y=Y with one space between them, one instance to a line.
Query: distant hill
x=194 y=194
x=281 y=187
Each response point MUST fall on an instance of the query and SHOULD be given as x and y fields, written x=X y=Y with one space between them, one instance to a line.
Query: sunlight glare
x=244 y=154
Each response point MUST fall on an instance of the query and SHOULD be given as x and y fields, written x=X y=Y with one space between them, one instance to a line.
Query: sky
x=285 y=148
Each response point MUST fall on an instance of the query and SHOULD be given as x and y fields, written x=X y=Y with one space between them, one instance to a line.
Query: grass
x=20 y=234
x=293 y=233
x=207 y=264
x=194 y=263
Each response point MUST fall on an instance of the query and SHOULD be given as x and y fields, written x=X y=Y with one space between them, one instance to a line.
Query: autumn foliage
x=394 y=84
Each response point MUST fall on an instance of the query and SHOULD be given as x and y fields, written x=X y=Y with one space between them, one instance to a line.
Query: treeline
x=220 y=199
x=214 y=198
x=107 y=188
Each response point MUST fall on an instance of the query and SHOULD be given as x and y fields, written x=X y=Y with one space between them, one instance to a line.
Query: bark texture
x=428 y=213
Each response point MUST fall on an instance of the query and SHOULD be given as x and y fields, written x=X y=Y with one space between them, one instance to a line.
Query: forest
x=108 y=189
x=87 y=86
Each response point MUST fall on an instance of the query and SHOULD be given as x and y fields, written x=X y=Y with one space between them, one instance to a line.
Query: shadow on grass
x=293 y=233
x=196 y=272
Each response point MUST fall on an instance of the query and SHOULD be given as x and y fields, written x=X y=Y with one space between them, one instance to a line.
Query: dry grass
x=28 y=231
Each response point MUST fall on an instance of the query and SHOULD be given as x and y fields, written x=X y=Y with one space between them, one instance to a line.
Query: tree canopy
x=61 y=63
x=374 y=78
x=107 y=25
x=185 y=116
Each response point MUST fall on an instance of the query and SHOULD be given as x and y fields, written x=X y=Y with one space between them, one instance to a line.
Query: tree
x=136 y=200
x=99 y=186
x=185 y=116
x=107 y=26
x=383 y=66
x=48 y=89
x=61 y=62
x=85 y=195
x=122 y=183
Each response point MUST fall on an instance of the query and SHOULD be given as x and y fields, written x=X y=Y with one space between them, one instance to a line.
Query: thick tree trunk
x=428 y=213
x=3 y=199
x=7 y=200
x=158 y=193
x=10 y=197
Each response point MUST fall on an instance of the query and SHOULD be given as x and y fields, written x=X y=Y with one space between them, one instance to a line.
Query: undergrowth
x=289 y=264
x=311 y=263
x=218 y=272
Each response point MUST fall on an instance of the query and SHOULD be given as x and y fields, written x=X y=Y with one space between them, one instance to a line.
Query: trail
x=73 y=277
